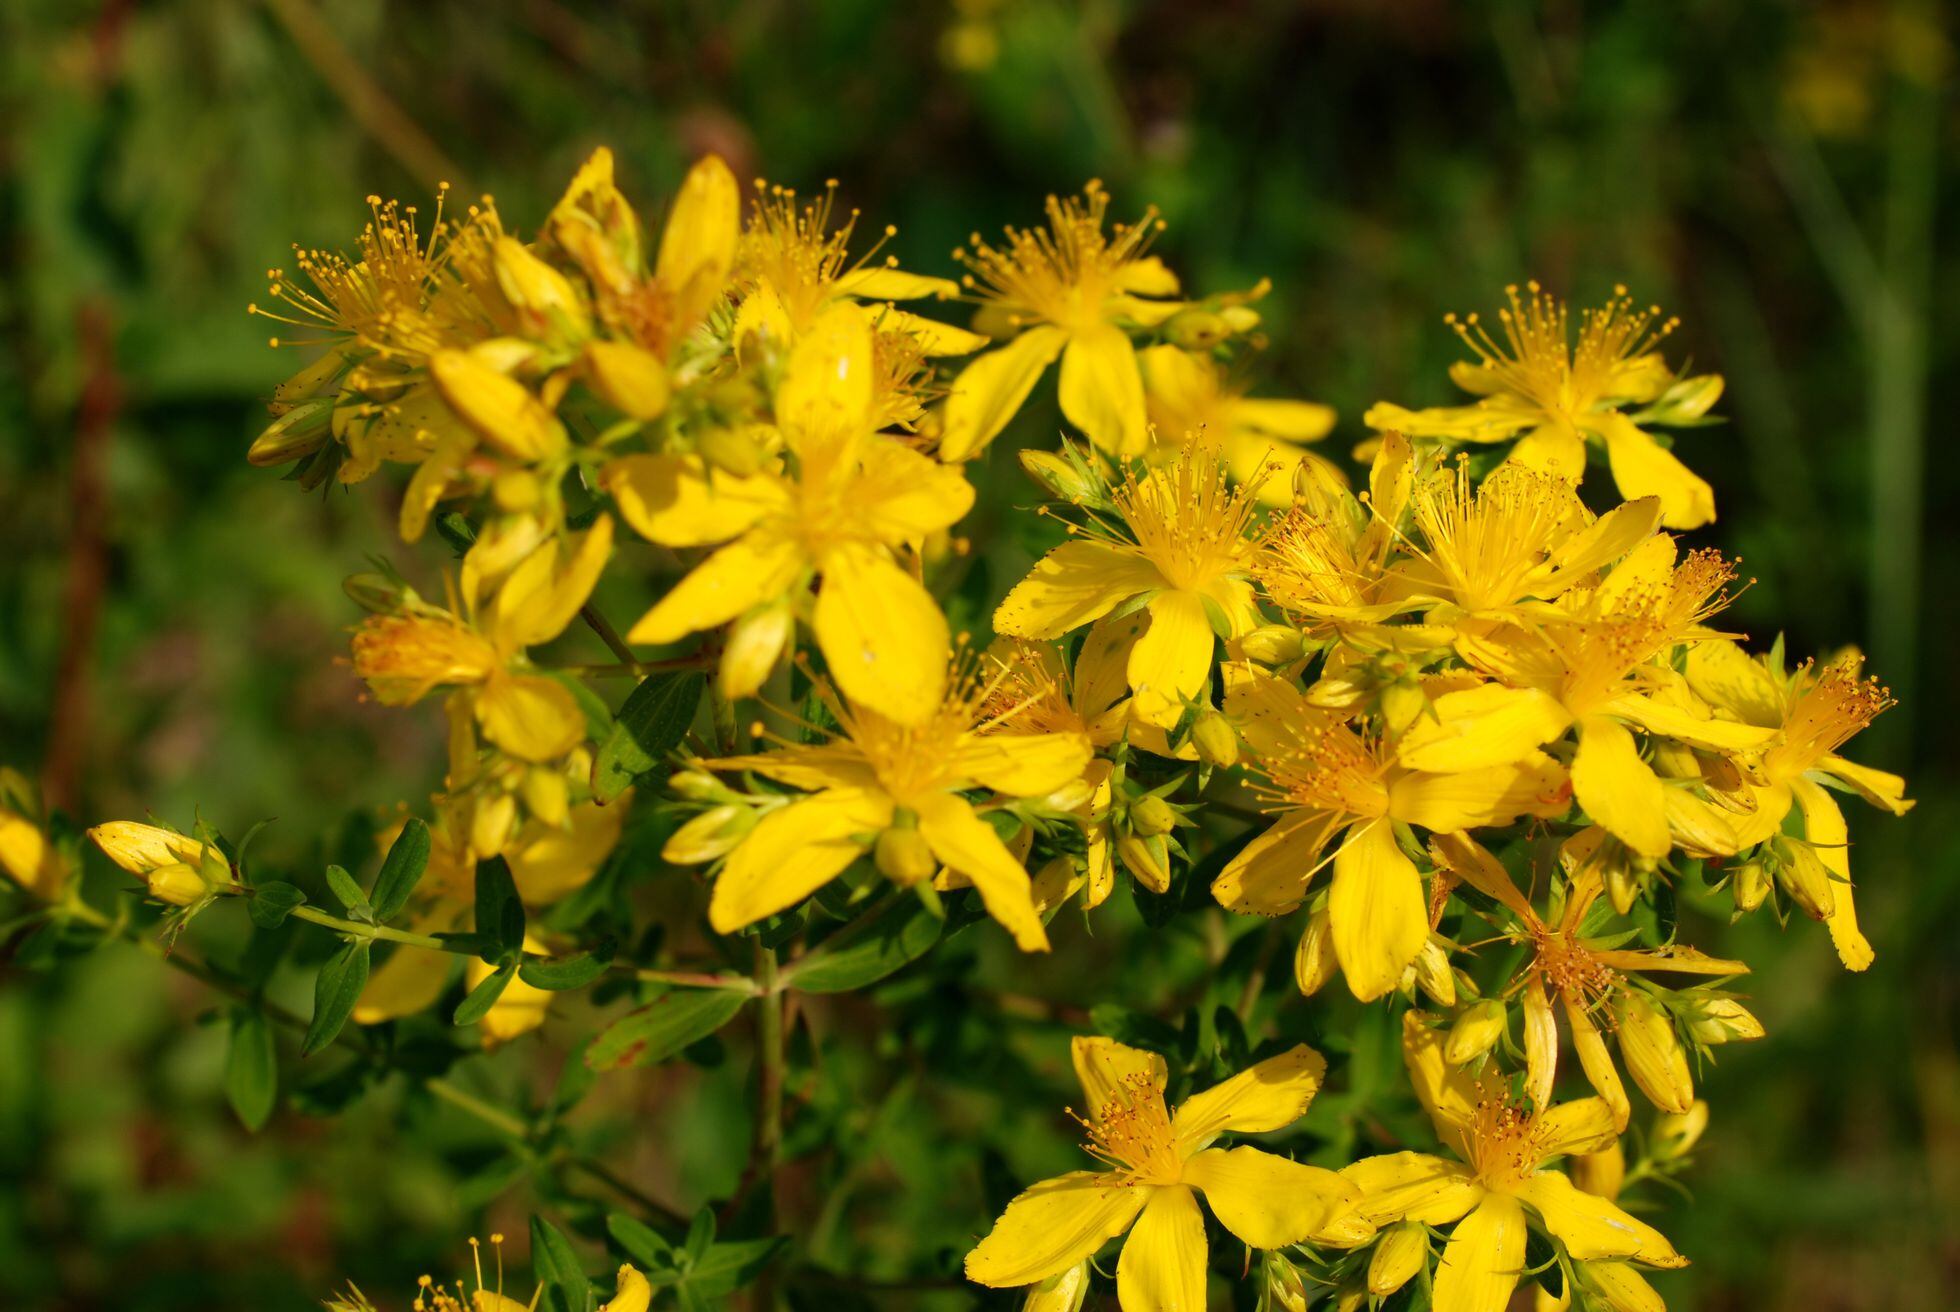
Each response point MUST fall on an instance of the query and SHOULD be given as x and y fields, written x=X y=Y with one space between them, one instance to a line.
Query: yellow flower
x=1187 y=397
x=1811 y=712
x=1069 y=290
x=880 y=775
x=1498 y=1186
x=794 y=265
x=1158 y=1162
x=1587 y=976
x=1333 y=787
x=179 y=869
x=404 y=655
x=1323 y=561
x=852 y=501
x=27 y=855
x=632 y=1291
x=1555 y=395
x=1180 y=538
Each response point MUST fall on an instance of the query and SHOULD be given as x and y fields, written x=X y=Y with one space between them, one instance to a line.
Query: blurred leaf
x=651 y=723
x=573 y=972
x=335 y=991
x=499 y=910
x=902 y=933
x=348 y=892
x=251 y=1068
x=402 y=869
x=270 y=904
x=556 y=1266
x=484 y=996
x=662 y=1028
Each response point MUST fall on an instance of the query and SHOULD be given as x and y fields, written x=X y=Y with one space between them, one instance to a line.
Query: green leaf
x=559 y=973
x=270 y=904
x=662 y=1028
x=251 y=1069
x=556 y=1266
x=651 y=723
x=484 y=996
x=642 y=1243
x=499 y=911
x=335 y=990
x=728 y=1266
x=347 y=891
x=700 y=1234
x=401 y=870
x=902 y=933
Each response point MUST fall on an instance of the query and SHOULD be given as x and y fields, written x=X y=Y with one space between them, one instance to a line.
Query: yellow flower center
x=1132 y=1132
x=1063 y=274
x=1835 y=705
x=403 y=656
x=1569 y=966
x=1305 y=563
x=793 y=248
x=1490 y=543
x=1598 y=650
x=1506 y=1143
x=912 y=760
x=1327 y=767
x=1185 y=518
x=1538 y=361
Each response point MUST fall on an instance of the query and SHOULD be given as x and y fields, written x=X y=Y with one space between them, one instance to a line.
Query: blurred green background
x=1780 y=176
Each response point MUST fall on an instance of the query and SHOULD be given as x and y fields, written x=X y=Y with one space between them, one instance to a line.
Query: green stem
x=602 y=626
x=360 y=929
x=633 y=669
x=767 y=1151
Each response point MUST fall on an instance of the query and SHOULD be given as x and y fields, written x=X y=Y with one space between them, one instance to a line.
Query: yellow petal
x=1583 y=1125
x=1881 y=788
x=1170 y=662
x=1107 y=1068
x=1148 y=276
x=632 y=379
x=903 y=496
x=1418 y=1186
x=1595 y=1060
x=1620 y=1288
x=829 y=382
x=1554 y=448
x=502 y=410
x=1476 y=799
x=1447 y=1092
x=543 y=595
x=141 y=848
x=1540 y=1044
x=934 y=337
x=884 y=283
x=1641 y=469
x=1075 y=584
x=1476 y=728
x=1824 y=828
x=1687 y=726
x=1052 y=1226
x=761 y=316
x=991 y=390
x=793 y=852
x=968 y=845
x=698 y=247
x=549 y=862
x=1618 y=790
x=1268 y=1201
x=1472 y=862
x=745 y=573
x=1592 y=1227
x=1463 y=423
x=26 y=856
x=675 y=501
x=1023 y=764
x=1163 y=1264
x=882 y=634
x=1730 y=679
x=631 y=1293
x=1483 y=1259
x=1268 y=1096
x=1297 y=421
x=1102 y=389
x=1380 y=920
x=519 y=1009
x=530 y=716
x=1269 y=876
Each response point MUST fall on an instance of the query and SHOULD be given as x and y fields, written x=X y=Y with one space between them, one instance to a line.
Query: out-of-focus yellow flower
x=406 y=654
x=1497 y=1185
x=27 y=855
x=852 y=501
x=1324 y=560
x=179 y=869
x=878 y=774
x=1159 y=1161
x=1554 y=395
x=1070 y=290
x=1188 y=398
x=1332 y=787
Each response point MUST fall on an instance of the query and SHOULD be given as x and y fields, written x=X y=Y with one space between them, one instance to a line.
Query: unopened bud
x=310 y=382
x=1432 y=968
x=709 y=836
x=1600 y=1174
x=1403 y=703
x=1623 y=883
x=1196 y=329
x=1060 y=476
x=1399 y=1254
x=997 y=321
x=502 y=410
x=1146 y=858
x=1475 y=1032
x=1803 y=875
x=1274 y=644
x=756 y=643
x=695 y=785
x=1687 y=400
x=1676 y=1134
x=1750 y=886
x=1653 y=1052
x=1353 y=1296
x=1315 y=963
x=491 y=826
x=1618 y=1287
x=629 y=378
x=547 y=795
x=1674 y=760
x=632 y=1292
x=904 y=856
x=373 y=591
x=302 y=430
x=1285 y=1288
x=546 y=295
x=177 y=883
x=1061 y=1292
x=516 y=490
x=1151 y=815
x=1721 y=1020
x=731 y=450
x=1217 y=742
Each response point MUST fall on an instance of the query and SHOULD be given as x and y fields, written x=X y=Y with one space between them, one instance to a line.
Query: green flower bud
x=1217 y=742
x=1275 y=644
x=1475 y=1032
x=1399 y=1254
x=1151 y=815
x=904 y=856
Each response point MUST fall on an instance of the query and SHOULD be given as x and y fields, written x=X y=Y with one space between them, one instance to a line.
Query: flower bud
x=755 y=645
x=1720 y=1020
x=631 y=1293
x=696 y=786
x=1061 y=477
x=734 y=451
x=373 y=592
x=1403 y=703
x=547 y=795
x=1618 y=1287
x=1273 y=644
x=1315 y=963
x=997 y=321
x=140 y=848
x=1146 y=858
x=502 y=410
x=1285 y=1290
x=1475 y=1032
x=1217 y=742
x=491 y=826
x=301 y=431
x=1600 y=1173
x=1653 y=1052
x=310 y=382
x=629 y=378
x=177 y=883
x=1071 y=796
x=1061 y=1292
x=1674 y=760
x=1676 y=1134
x=1151 y=815
x=1352 y=1297
x=1623 y=881
x=516 y=490
x=1687 y=400
x=903 y=855
x=1196 y=329
x=546 y=296
x=1803 y=875
x=1432 y=970
x=1751 y=885
x=708 y=836
x=1399 y=1254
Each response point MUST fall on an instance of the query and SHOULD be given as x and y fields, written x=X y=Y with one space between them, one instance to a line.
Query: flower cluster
x=1473 y=730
